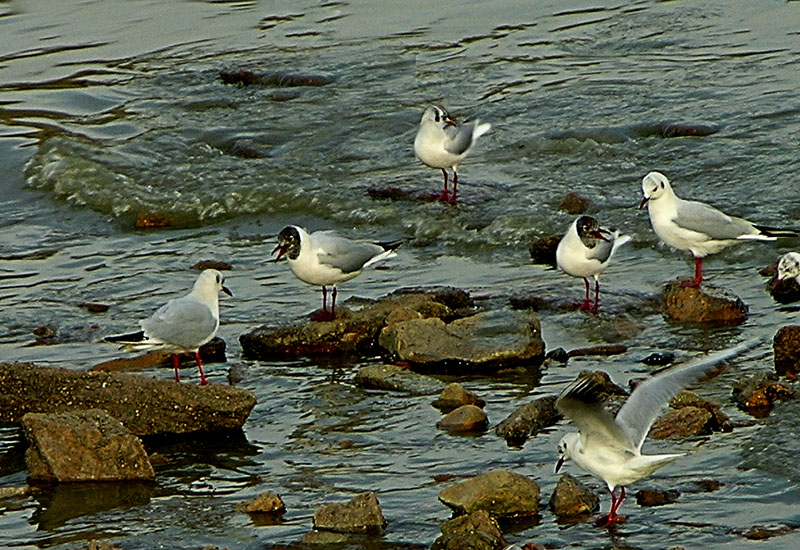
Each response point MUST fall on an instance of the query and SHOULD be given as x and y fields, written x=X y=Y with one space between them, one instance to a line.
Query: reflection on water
x=115 y=110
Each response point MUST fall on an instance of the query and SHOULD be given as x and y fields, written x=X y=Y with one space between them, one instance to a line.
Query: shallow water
x=112 y=110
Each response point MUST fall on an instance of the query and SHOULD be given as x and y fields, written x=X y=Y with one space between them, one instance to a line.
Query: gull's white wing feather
x=645 y=403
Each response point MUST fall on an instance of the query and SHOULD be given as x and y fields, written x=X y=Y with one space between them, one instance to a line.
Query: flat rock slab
x=501 y=493
x=145 y=406
x=352 y=332
x=706 y=304
x=528 y=420
x=362 y=514
x=87 y=445
x=397 y=378
x=485 y=341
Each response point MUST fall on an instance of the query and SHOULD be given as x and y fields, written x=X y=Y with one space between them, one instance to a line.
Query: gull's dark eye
x=437 y=116
x=662 y=185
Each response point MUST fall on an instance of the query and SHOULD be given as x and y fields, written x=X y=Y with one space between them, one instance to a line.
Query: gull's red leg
x=176 y=367
x=203 y=380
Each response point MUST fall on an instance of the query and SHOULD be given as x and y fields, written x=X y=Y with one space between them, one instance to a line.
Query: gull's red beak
x=559 y=464
x=449 y=121
x=599 y=235
x=281 y=250
x=644 y=202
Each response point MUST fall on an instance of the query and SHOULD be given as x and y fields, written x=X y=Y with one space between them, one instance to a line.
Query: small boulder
x=786 y=348
x=721 y=422
x=265 y=503
x=476 y=531
x=87 y=445
x=501 y=493
x=683 y=422
x=543 y=251
x=465 y=419
x=396 y=378
x=362 y=514
x=574 y=203
x=454 y=395
x=528 y=420
x=653 y=497
x=706 y=304
x=571 y=498
x=758 y=394
x=784 y=291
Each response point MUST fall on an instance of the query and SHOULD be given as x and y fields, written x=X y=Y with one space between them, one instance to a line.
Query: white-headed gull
x=443 y=144
x=183 y=324
x=585 y=251
x=323 y=258
x=696 y=226
x=789 y=267
x=610 y=447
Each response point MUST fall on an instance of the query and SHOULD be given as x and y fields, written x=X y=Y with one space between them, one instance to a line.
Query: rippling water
x=114 y=111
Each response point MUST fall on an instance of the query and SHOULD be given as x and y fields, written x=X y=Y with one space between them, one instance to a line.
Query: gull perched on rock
x=696 y=226
x=442 y=143
x=585 y=251
x=789 y=267
x=323 y=258
x=183 y=324
x=610 y=447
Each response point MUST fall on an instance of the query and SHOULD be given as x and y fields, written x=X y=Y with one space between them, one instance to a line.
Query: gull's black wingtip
x=131 y=338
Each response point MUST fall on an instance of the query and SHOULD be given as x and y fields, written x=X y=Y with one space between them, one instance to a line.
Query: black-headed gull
x=441 y=143
x=610 y=447
x=696 y=226
x=585 y=250
x=323 y=258
x=183 y=324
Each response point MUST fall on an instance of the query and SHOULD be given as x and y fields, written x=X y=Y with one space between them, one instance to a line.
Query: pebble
x=454 y=395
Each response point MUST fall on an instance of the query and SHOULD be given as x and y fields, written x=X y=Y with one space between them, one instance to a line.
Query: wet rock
x=653 y=497
x=14 y=492
x=659 y=359
x=87 y=445
x=394 y=193
x=464 y=419
x=598 y=351
x=574 y=203
x=212 y=264
x=761 y=532
x=265 y=503
x=481 y=342
x=786 y=347
x=707 y=304
x=543 y=251
x=152 y=221
x=211 y=352
x=476 y=531
x=454 y=395
x=101 y=544
x=93 y=307
x=558 y=355
x=352 y=332
x=758 y=394
x=362 y=514
x=325 y=538
x=144 y=405
x=247 y=77
x=528 y=420
x=396 y=378
x=501 y=493
x=682 y=423
x=784 y=291
x=709 y=485
x=720 y=422
x=571 y=498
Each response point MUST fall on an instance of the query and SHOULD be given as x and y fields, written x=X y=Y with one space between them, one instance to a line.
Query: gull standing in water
x=183 y=324
x=696 y=226
x=585 y=251
x=442 y=143
x=323 y=258
x=610 y=448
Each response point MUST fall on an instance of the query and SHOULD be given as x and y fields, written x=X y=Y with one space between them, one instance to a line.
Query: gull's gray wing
x=459 y=138
x=582 y=402
x=185 y=322
x=645 y=403
x=702 y=218
x=601 y=251
x=342 y=253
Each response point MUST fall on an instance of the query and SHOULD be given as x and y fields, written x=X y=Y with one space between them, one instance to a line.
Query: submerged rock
x=476 y=531
x=571 y=498
x=543 y=251
x=464 y=419
x=653 y=497
x=87 y=445
x=144 y=405
x=528 y=420
x=762 y=532
x=265 y=503
x=706 y=304
x=786 y=347
x=758 y=394
x=362 y=514
x=454 y=395
x=397 y=378
x=574 y=203
x=501 y=493
x=485 y=341
x=248 y=77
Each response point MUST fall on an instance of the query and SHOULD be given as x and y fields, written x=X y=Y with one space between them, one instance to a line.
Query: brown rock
x=709 y=485
x=85 y=445
x=210 y=352
x=760 y=532
x=528 y=420
x=14 y=492
x=683 y=422
x=476 y=531
x=574 y=203
x=152 y=221
x=101 y=544
x=570 y=498
x=758 y=394
x=212 y=264
x=501 y=493
x=543 y=251
x=396 y=378
x=144 y=405
x=93 y=307
x=786 y=291
x=706 y=304
x=720 y=420
x=652 y=497
x=265 y=503
x=454 y=395
x=362 y=514
x=466 y=418
x=786 y=347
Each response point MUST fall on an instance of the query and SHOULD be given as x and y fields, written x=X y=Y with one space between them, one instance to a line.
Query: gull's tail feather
x=480 y=129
